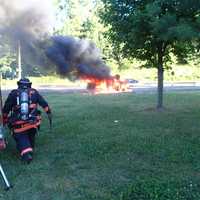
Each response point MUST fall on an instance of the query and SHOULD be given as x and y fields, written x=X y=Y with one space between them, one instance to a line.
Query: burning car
x=110 y=84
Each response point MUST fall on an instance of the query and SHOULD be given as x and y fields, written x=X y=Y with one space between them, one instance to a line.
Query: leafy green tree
x=7 y=66
x=153 y=31
x=72 y=14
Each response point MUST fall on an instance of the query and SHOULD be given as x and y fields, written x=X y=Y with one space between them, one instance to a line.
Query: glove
x=49 y=115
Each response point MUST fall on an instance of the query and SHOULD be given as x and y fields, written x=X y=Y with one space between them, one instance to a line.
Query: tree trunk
x=160 y=81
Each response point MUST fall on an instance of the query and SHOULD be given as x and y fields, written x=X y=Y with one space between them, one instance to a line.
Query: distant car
x=130 y=83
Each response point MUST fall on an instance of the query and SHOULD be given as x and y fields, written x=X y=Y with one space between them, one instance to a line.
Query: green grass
x=89 y=155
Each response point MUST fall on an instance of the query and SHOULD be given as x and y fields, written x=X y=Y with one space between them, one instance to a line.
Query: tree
x=153 y=31
x=72 y=14
x=7 y=66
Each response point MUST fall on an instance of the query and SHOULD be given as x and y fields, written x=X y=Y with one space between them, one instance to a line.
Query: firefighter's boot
x=27 y=157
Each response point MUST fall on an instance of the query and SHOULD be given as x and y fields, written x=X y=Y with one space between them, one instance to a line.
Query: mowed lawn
x=103 y=145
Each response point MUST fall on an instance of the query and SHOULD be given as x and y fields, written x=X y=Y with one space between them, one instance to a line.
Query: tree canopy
x=153 y=31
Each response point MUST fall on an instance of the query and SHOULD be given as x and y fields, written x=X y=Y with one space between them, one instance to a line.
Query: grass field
x=107 y=147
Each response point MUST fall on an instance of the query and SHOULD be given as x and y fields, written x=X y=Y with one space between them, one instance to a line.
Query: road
x=146 y=87
x=152 y=87
x=137 y=88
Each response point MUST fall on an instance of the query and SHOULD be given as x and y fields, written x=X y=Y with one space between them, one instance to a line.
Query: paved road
x=148 y=87
x=168 y=87
x=138 y=88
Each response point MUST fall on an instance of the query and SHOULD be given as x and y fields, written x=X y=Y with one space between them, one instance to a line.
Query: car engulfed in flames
x=112 y=84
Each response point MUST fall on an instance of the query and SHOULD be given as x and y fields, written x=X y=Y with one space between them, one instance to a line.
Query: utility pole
x=19 y=60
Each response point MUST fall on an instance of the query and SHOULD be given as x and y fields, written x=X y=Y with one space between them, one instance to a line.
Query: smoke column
x=70 y=53
x=26 y=22
x=31 y=22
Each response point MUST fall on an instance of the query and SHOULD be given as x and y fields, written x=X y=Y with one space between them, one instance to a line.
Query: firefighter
x=22 y=116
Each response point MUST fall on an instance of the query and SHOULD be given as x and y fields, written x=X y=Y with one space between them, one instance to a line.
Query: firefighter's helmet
x=24 y=83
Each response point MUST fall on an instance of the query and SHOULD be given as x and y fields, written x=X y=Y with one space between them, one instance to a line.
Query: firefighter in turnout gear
x=22 y=116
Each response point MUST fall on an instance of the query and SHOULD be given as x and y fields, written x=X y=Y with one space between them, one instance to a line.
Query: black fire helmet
x=24 y=83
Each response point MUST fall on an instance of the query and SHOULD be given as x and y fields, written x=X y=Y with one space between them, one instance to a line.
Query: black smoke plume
x=25 y=22
x=30 y=22
x=80 y=55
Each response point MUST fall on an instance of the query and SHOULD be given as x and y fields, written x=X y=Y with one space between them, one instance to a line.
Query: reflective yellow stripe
x=29 y=149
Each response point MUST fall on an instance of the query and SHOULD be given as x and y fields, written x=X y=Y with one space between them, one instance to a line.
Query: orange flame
x=111 y=84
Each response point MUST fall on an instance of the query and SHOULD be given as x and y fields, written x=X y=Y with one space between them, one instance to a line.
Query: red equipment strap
x=24 y=126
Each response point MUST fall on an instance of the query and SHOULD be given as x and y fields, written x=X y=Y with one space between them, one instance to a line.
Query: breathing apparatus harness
x=24 y=115
x=24 y=101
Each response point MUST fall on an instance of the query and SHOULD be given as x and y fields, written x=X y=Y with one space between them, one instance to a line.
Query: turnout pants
x=25 y=141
